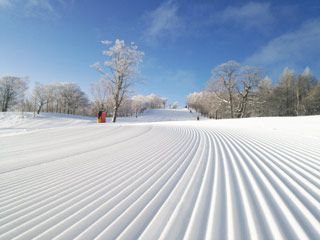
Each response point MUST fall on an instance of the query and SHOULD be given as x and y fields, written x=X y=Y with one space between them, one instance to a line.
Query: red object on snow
x=103 y=117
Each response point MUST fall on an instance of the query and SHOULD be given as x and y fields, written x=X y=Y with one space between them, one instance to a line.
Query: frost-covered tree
x=312 y=101
x=305 y=82
x=284 y=93
x=73 y=98
x=101 y=92
x=139 y=104
x=208 y=104
x=233 y=86
x=120 y=70
x=12 y=90
x=62 y=97
x=40 y=96
x=264 y=106
x=155 y=101
x=248 y=82
x=224 y=83
x=253 y=96
x=175 y=105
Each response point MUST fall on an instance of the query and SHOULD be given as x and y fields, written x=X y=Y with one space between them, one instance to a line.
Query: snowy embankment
x=228 y=179
x=12 y=123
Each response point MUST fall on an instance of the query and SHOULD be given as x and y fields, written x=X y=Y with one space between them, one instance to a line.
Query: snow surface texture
x=253 y=178
x=17 y=123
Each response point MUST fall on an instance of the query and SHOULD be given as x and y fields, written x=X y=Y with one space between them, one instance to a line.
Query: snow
x=12 y=123
x=65 y=177
x=161 y=115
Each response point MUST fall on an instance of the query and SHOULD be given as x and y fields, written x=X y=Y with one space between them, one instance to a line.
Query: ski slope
x=256 y=178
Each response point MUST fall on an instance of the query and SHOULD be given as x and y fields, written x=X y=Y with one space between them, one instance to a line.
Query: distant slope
x=160 y=115
x=17 y=122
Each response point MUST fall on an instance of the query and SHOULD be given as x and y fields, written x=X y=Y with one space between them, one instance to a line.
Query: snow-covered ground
x=12 y=123
x=70 y=178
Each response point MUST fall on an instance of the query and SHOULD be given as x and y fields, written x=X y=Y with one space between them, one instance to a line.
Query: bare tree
x=175 y=105
x=224 y=82
x=40 y=96
x=243 y=86
x=249 y=80
x=138 y=104
x=101 y=91
x=284 y=93
x=12 y=90
x=73 y=98
x=263 y=98
x=312 y=101
x=155 y=102
x=122 y=66
x=207 y=103
x=305 y=82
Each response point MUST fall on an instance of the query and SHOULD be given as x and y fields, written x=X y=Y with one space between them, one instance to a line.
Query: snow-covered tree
x=305 y=82
x=224 y=83
x=312 y=101
x=284 y=93
x=155 y=101
x=40 y=96
x=253 y=96
x=101 y=92
x=12 y=90
x=120 y=70
x=175 y=105
x=139 y=104
x=233 y=85
x=62 y=97
x=207 y=103
x=263 y=99
x=248 y=82
x=74 y=99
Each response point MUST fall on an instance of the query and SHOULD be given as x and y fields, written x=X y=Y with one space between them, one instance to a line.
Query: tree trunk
x=39 y=109
x=231 y=103
x=5 y=108
x=114 y=115
x=298 y=102
x=6 y=100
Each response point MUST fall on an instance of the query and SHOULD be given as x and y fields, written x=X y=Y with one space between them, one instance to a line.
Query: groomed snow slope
x=12 y=123
x=226 y=179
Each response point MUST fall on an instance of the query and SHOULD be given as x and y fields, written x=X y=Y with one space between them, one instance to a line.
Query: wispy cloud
x=299 y=47
x=252 y=15
x=163 y=22
x=39 y=8
x=44 y=9
x=5 y=3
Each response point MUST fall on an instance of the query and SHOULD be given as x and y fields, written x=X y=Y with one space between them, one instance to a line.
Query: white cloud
x=5 y=3
x=162 y=22
x=251 y=15
x=39 y=8
x=295 y=48
x=35 y=8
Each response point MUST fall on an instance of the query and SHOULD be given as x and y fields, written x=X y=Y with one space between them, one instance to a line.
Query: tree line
x=55 y=97
x=68 y=98
x=236 y=91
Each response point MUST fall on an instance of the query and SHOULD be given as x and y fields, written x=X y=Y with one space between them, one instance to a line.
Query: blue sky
x=57 y=40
